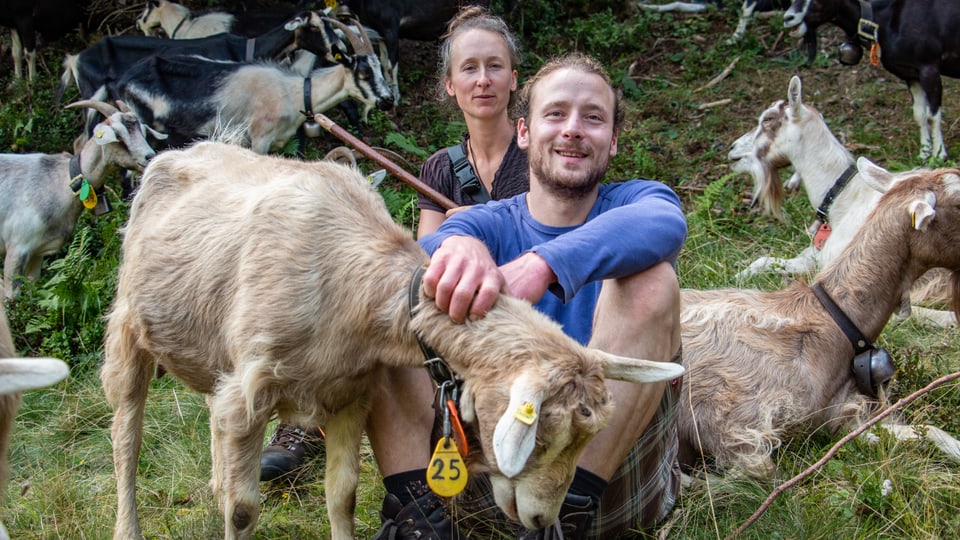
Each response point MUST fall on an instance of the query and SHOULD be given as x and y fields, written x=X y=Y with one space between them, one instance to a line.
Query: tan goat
x=280 y=287
x=17 y=375
x=762 y=366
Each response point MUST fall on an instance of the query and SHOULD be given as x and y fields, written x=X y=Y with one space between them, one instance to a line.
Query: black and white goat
x=176 y=21
x=52 y=19
x=39 y=209
x=99 y=66
x=190 y=97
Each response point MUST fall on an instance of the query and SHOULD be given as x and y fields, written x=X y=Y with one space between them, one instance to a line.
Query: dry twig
x=723 y=75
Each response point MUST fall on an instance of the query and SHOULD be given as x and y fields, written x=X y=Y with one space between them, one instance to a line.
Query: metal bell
x=103 y=205
x=872 y=369
x=311 y=128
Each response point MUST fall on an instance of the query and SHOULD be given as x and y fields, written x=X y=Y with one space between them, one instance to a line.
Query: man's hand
x=463 y=278
x=528 y=277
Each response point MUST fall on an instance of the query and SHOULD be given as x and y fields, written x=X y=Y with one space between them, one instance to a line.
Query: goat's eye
x=584 y=411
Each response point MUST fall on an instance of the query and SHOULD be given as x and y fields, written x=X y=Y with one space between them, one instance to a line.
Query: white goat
x=793 y=133
x=18 y=375
x=177 y=22
x=279 y=286
x=763 y=366
x=39 y=209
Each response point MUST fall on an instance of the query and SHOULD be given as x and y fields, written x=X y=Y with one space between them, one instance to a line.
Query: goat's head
x=783 y=132
x=369 y=84
x=149 y=21
x=121 y=135
x=536 y=398
x=927 y=204
x=313 y=33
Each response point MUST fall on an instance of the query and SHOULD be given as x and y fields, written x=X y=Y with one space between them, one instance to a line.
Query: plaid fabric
x=641 y=493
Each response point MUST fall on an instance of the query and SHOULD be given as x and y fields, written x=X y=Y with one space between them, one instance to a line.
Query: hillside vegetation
x=682 y=118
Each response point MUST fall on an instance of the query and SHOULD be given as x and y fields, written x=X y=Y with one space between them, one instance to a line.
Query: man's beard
x=566 y=188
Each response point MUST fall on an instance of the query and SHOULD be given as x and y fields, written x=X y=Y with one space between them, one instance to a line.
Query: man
x=598 y=258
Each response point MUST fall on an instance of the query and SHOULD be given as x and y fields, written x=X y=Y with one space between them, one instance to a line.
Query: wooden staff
x=381 y=160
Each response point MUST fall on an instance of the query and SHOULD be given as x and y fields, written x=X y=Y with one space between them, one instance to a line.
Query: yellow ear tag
x=447 y=474
x=98 y=133
x=87 y=195
x=913 y=220
x=526 y=413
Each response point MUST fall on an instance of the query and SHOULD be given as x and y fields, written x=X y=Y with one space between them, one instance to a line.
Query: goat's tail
x=68 y=77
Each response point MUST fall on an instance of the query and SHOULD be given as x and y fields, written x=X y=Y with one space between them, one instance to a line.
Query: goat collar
x=872 y=367
x=438 y=368
x=835 y=190
x=176 y=28
x=75 y=171
x=866 y=27
x=307 y=100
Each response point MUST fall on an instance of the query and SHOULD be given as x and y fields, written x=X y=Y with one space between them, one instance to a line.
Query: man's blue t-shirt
x=632 y=226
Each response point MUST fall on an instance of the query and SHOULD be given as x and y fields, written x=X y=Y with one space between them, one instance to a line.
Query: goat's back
x=229 y=255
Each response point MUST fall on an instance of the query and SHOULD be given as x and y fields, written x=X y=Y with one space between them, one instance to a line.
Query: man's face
x=568 y=133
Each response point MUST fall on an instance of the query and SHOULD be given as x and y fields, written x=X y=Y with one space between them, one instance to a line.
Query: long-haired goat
x=40 y=208
x=793 y=133
x=763 y=366
x=281 y=286
x=18 y=375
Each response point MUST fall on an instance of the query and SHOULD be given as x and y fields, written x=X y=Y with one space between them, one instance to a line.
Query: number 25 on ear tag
x=447 y=474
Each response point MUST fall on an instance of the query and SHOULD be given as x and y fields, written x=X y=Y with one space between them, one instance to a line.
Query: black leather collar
x=437 y=367
x=857 y=339
x=835 y=190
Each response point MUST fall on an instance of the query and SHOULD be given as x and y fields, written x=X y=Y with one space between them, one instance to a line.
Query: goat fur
x=792 y=133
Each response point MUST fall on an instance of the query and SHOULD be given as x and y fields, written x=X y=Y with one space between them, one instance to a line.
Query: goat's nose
x=385 y=104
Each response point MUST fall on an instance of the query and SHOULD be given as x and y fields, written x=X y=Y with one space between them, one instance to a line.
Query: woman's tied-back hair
x=473 y=18
x=575 y=61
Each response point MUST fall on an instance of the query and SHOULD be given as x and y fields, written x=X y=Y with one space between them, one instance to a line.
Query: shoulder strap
x=469 y=182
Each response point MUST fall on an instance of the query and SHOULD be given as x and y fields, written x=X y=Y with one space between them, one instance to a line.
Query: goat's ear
x=104 y=134
x=794 y=95
x=874 y=175
x=19 y=374
x=635 y=370
x=516 y=433
x=294 y=23
x=922 y=211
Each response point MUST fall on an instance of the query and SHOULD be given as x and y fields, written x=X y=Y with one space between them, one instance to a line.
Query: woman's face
x=481 y=75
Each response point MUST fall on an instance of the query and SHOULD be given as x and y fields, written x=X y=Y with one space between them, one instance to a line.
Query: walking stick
x=381 y=160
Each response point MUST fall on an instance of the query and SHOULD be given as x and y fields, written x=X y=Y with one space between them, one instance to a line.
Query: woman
x=478 y=59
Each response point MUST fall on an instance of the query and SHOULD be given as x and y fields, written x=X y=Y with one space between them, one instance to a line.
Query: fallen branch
x=703 y=106
x=836 y=448
x=723 y=75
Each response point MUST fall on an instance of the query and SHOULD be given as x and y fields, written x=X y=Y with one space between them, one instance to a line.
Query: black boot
x=290 y=448
x=576 y=516
x=426 y=518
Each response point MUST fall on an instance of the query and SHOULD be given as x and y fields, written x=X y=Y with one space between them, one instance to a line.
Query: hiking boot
x=576 y=516
x=290 y=448
x=426 y=518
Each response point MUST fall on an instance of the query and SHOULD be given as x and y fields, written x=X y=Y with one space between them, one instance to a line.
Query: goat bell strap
x=872 y=367
x=310 y=127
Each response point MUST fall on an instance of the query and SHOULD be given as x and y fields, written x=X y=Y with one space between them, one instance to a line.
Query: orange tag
x=459 y=436
x=447 y=474
x=821 y=237
x=875 y=54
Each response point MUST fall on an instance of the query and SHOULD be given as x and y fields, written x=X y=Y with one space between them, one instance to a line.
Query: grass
x=62 y=476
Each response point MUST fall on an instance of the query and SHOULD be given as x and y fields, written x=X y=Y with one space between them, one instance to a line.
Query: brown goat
x=762 y=366
x=276 y=286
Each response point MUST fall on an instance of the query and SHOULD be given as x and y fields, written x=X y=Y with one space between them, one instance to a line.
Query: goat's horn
x=355 y=41
x=124 y=108
x=101 y=107
x=368 y=45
